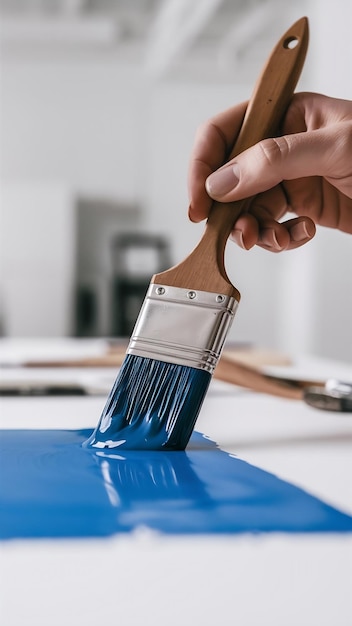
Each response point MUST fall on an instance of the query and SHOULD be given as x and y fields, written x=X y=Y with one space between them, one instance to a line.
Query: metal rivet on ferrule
x=220 y=298
x=160 y=291
x=191 y=295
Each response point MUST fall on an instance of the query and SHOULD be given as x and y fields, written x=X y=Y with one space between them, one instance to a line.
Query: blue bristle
x=152 y=406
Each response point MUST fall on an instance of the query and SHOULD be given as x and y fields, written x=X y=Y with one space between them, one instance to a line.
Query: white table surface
x=149 y=579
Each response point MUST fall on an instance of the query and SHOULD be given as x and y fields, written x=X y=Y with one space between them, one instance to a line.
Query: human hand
x=307 y=171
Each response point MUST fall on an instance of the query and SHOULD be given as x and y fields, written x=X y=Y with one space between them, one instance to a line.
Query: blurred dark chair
x=136 y=257
x=86 y=310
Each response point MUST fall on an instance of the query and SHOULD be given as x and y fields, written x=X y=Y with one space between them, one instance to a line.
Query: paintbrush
x=188 y=310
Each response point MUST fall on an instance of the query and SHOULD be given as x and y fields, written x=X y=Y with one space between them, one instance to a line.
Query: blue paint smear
x=51 y=486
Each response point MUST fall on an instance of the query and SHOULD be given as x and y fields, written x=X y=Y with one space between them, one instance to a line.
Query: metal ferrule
x=183 y=326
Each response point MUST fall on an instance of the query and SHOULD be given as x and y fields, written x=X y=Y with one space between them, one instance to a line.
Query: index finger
x=213 y=143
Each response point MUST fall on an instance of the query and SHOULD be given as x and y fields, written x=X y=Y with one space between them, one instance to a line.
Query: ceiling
x=166 y=37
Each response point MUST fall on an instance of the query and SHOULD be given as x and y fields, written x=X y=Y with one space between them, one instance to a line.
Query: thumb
x=271 y=161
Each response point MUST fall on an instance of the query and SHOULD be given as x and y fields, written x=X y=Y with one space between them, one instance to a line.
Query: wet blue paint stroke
x=152 y=406
x=51 y=486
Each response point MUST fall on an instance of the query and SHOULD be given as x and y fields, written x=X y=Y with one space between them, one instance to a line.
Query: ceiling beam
x=176 y=26
x=42 y=30
x=246 y=29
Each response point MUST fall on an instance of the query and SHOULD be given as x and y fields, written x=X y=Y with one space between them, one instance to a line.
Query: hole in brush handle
x=291 y=43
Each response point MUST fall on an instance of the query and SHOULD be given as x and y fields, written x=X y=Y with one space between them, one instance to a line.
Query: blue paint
x=51 y=486
x=152 y=406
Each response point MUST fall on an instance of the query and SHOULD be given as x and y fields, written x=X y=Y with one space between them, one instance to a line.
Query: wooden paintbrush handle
x=266 y=108
x=204 y=268
x=229 y=371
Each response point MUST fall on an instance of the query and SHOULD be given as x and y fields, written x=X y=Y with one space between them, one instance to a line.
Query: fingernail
x=301 y=231
x=190 y=213
x=237 y=237
x=221 y=182
x=268 y=238
x=195 y=215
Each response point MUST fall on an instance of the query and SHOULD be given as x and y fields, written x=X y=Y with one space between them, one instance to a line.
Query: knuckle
x=217 y=135
x=339 y=161
x=345 y=138
x=210 y=144
x=273 y=151
x=209 y=130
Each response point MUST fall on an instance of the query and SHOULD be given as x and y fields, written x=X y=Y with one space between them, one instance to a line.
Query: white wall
x=71 y=120
x=71 y=125
x=37 y=258
x=102 y=128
